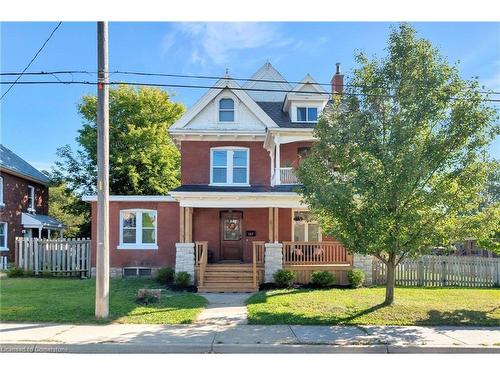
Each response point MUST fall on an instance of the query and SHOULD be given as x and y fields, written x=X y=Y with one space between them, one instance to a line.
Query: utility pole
x=102 y=256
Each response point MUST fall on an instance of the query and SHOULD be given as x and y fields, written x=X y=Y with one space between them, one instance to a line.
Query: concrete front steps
x=228 y=277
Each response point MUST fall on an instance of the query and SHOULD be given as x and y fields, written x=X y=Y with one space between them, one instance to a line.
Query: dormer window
x=307 y=114
x=226 y=110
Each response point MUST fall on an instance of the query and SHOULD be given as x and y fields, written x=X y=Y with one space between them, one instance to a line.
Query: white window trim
x=31 y=192
x=229 y=166
x=226 y=110
x=2 y=204
x=306 y=227
x=307 y=113
x=6 y=247
x=138 y=245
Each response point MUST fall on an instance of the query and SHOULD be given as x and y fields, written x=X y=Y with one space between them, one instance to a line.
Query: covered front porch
x=236 y=246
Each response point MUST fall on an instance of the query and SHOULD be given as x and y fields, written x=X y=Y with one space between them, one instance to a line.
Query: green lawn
x=72 y=301
x=414 y=306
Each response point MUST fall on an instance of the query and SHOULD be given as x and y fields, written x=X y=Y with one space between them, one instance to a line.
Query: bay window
x=138 y=229
x=229 y=166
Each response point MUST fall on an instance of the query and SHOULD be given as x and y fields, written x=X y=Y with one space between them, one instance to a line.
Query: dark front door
x=231 y=235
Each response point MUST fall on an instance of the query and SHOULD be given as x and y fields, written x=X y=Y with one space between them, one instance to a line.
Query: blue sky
x=36 y=120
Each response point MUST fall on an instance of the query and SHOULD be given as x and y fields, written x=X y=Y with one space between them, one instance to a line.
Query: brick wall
x=167 y=235
x=15 y=198
x=195 y=161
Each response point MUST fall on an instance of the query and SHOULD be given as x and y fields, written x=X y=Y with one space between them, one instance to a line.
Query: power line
x=31 y=61
x=195 y=76
x=172 y=85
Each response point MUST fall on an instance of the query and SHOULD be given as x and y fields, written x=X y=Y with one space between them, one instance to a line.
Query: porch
x=301 y=257
x=235 y=243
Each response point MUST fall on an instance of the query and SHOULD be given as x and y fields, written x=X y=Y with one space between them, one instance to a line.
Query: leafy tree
x=399 y=165
x=65 y=206
x=142 y=157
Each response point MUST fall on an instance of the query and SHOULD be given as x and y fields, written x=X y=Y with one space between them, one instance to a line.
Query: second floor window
x=307 y=114
x=229 y=166
x=226 y=110
x=31 y=198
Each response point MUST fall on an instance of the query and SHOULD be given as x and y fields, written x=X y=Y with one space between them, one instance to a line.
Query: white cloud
x=217 y=42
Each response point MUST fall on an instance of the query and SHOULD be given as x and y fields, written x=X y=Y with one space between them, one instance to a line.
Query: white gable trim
x=210 y=95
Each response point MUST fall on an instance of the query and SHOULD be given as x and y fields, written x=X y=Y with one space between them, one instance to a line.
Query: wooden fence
x=431 y=270
x=69 y=256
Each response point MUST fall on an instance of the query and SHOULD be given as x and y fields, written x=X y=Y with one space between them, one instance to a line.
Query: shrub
x=322 y=278
x=356 y=277
x=15 y=272
x=148 y=296
x=165 y=275
x=182 y=279
x=284 y=278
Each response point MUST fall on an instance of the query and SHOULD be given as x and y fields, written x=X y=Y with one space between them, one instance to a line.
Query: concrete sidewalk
x=198 y=338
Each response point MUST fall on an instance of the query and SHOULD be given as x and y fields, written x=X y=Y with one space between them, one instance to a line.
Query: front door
x=231 y=235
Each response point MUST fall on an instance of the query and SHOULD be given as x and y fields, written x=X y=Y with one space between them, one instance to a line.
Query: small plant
x=15 y=272
x=322 y=279
x=165 y=275
x=284 y=278
x=148 y=296
x=182 y=279
x=356 y=277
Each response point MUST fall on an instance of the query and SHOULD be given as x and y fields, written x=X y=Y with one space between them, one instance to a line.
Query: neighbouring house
x=236 y=218
x=24 y=203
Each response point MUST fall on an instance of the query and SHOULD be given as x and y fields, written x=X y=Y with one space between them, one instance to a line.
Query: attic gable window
x=226 y=110
x=307 y=114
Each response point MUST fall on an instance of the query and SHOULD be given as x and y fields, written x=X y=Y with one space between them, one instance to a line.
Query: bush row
x=319 y=279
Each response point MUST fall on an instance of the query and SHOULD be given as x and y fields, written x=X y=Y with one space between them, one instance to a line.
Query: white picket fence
x=3 y=263
x=431 y=270
x=70 y=256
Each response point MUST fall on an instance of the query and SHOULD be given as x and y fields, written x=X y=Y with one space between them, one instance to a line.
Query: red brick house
x=24 y=203
x=236 y=217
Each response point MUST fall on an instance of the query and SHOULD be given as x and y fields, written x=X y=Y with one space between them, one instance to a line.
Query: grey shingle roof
x=12 y=162
x=282 y=119
x=238 y=189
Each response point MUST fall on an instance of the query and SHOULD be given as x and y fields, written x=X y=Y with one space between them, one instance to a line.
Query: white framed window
x=1 y=192
x=226 y=110
x=3 y=237
x=304 y=227
x=138 y=229
x=307 y=114
x=229 y=166
x=31 y=198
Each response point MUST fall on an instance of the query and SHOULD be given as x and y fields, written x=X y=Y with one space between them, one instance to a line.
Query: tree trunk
x=390 y=281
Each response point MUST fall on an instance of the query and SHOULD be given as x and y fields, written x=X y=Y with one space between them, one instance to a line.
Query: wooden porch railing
x=257 y=259
x=306 y=253
x=201 y=259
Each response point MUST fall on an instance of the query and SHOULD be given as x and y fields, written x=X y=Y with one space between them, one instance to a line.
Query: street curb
x=236 y=348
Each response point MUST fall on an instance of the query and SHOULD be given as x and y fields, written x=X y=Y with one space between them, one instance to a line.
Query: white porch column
x=184 y=258
x=278 y=162
x=364 y=263
x=273 y=260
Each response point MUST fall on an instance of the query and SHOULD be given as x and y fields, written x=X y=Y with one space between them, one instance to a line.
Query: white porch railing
x=287 y=176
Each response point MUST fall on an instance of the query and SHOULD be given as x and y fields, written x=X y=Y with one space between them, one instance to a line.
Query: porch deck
x=301 y=257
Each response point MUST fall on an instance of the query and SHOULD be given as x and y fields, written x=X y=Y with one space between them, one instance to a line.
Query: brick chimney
x=337 y=81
